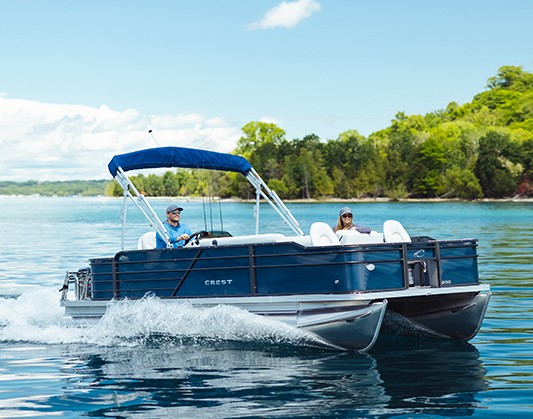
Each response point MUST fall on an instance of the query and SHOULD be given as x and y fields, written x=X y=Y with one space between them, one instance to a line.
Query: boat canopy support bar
x=261 y=190
x=142 y=204
x=275 y=202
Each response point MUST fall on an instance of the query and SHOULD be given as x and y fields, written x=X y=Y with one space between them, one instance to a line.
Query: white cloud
x=43 y=141
x=287 y=15
x=269 y=120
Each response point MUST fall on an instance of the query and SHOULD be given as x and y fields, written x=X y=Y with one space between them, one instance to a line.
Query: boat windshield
x=219 y=233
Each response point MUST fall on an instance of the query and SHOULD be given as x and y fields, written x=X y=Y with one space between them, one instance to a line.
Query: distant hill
x=48 y=188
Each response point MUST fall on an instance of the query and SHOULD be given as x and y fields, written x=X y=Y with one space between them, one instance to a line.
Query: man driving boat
x=178 y=232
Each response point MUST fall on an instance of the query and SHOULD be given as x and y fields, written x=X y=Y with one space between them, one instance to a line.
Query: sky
x=81 y=81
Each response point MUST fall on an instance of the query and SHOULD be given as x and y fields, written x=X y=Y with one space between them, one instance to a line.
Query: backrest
x=395 y=233
x=354 y=237
x=322 y=235
x=147 y=241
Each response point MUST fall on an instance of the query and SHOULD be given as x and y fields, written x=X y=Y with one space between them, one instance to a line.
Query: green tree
x=461 y=183
x=504 y=105
x=497 y=174
x=405 y=134
x=395 y=170
x=322 y=183
x=426 y=168
x=527 y=156
x=454 y=111
x=171 y=184
x=306 y=168
x=114 y=189
x=343 y=153
x=511 y=78
x=510 y=97
x=279 y=187
x=256 y=134
x=341 y=184
x=310 y=142
x=289 y=176
x=265 y=160
x=368 y=182
x=139 y=182
x=238 y=186
x=153 y=185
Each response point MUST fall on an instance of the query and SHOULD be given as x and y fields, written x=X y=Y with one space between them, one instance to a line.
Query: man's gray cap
x=173 y=207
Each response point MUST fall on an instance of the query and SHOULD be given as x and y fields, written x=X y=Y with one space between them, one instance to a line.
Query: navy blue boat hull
x=432 y=287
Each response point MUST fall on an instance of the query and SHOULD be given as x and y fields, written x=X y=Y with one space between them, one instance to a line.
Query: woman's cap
x=345 y=210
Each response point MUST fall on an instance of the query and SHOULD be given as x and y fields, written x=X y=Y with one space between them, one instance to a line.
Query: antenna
x=150 y=132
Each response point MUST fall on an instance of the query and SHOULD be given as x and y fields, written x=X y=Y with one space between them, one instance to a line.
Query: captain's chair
x=147 y=241
x=395 y=233
x=322 y=235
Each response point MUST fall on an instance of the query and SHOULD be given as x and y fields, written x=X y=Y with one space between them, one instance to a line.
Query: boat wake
x=35 y=316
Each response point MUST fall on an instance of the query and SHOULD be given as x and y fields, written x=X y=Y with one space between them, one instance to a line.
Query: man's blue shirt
x=174 y=233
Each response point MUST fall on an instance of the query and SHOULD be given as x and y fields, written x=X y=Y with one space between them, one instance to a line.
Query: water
x=147 y=361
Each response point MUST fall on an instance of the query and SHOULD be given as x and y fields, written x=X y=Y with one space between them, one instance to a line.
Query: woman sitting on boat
x=345 y=222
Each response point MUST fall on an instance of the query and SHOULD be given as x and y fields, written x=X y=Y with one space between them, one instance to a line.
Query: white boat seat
x=395 y=233
x=354 y=237
x=322 y=235
x=147 y=241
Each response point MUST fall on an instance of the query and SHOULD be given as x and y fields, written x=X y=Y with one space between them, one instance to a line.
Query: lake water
x=146 y=361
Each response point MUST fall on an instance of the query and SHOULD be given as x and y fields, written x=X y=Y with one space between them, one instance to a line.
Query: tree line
x=55 y=188
x=480 y=149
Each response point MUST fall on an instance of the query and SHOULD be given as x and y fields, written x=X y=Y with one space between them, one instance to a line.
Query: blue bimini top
x=178 y=157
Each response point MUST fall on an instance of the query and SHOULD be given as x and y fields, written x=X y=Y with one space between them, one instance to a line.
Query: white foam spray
x=35 y=316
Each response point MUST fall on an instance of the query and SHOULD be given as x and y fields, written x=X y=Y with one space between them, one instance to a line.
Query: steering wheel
x=200 y=233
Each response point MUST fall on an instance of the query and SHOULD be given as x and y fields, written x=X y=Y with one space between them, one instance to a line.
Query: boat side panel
x=417 y=251
x=444 y=263
x=247 y=270
x=282 y=269
x=102 y=278
x=184 y=272
x=329 y=279
x=459 y=272
x=459 y=263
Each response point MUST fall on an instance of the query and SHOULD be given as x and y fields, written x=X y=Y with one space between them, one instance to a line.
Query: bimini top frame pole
x=142 y=204
x=196 y=159
x=272 y=198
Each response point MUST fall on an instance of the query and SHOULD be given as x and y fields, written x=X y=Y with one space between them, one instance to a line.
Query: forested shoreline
x=56 y=188
x=482 y=149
